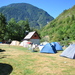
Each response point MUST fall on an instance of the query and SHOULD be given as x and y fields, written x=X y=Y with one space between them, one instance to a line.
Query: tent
x=69 y=52
x=40 y=47
x=14 y=42
x=25 y=43
x=48 y=48
x=57 y=46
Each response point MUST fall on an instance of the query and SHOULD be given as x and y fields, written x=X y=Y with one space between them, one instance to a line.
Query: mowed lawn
x=16 y=60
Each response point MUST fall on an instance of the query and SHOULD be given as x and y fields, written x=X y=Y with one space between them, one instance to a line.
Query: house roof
x=30 y=34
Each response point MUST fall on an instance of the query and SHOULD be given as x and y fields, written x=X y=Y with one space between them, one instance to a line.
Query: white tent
x=40 y=47
x=24 y=43
x=14 y=42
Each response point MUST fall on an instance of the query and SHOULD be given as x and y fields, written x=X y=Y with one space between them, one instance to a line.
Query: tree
x=68 y=19
x=24 y=28
x=72 y=17
x=16 y=30
x=2 y=26
x=27 y=25
x=12 y=29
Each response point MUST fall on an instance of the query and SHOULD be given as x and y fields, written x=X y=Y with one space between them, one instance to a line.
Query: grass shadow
x=2 y=56
x=2 y=50
x=5 y=69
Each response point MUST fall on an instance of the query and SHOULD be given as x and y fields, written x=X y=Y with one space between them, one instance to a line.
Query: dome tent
x=15 y=42
x=48 y=48
x=25 y=43
x=69 y=52
x=57 y=46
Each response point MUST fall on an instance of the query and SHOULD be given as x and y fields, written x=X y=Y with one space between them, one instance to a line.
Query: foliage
x=16 y=30
x=2 y=26
x=62 y=28
x=22 y=11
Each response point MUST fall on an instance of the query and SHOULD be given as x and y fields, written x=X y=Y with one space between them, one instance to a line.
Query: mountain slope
x=22 y=11
x=62 y=28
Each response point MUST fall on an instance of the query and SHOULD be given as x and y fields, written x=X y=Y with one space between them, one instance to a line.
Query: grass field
x=15 y=60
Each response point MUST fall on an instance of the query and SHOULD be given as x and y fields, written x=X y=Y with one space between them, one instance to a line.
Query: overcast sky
x=52 y=7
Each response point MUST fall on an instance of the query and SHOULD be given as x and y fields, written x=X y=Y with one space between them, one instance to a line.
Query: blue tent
x=48 y=48
x=69 y=52
x=57 y=46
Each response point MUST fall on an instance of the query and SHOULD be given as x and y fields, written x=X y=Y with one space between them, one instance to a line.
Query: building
x=33 y=37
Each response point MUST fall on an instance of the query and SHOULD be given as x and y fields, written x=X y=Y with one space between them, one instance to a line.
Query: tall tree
x=2 y=26
x=11 y=28
x=16 y=30
x=27 y=25
x=24 y=28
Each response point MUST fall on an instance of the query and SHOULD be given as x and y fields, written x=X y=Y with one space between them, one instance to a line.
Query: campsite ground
x=26 y=62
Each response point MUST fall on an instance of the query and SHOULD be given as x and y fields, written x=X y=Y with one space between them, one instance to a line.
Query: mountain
x=21 y=11
x=62 y=28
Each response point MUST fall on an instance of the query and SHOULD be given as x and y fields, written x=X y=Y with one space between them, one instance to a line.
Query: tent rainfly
x=69 y=52
x=57 y=46
x=48 y=48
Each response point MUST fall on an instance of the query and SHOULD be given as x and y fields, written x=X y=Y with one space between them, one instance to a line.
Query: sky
x=52 y=7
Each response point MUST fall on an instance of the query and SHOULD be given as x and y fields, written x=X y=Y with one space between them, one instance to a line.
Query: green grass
x=25 y=62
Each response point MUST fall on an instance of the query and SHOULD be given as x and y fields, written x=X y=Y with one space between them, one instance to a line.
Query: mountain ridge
x=21 y=11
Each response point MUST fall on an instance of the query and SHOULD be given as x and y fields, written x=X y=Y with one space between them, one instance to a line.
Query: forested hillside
x=22 y=11
x=13 y=30
x=62 y=28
